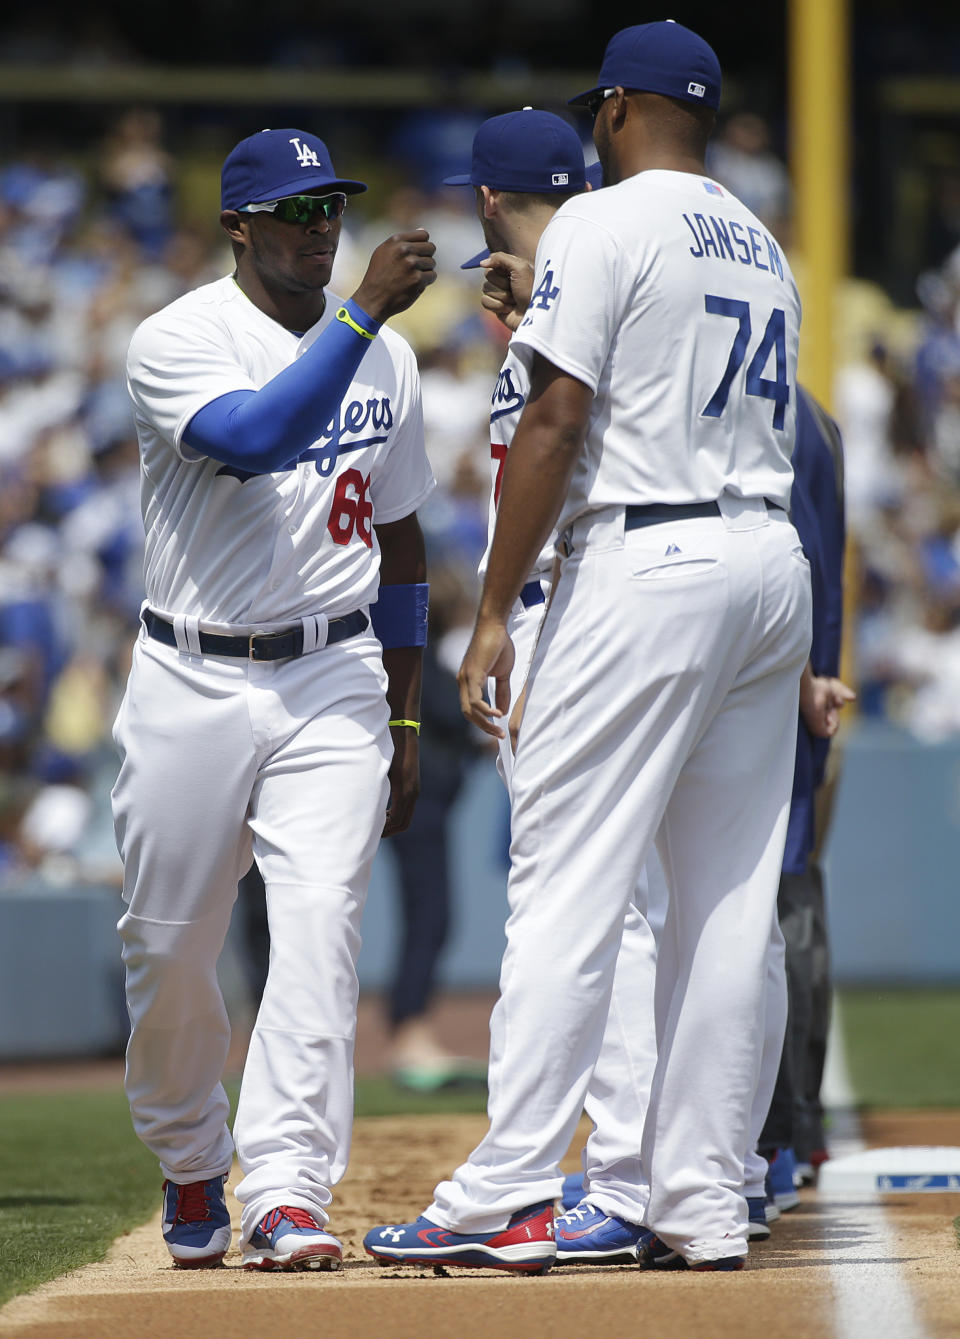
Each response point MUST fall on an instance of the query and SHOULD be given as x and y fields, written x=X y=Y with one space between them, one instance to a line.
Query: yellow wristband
x=344 y=316
x=414 y=725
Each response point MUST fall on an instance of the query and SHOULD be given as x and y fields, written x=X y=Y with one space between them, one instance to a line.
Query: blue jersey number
x=774 y=341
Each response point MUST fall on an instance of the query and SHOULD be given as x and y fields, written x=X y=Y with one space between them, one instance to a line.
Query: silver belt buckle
x=250 y=647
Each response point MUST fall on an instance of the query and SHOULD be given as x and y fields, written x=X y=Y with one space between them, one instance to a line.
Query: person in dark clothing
x=422 y=856
x=793 y=1134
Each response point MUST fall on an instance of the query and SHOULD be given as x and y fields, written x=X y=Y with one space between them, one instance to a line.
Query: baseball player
x=282 y=460
x=662 y=696
x=618 y=1095
x=524 y=166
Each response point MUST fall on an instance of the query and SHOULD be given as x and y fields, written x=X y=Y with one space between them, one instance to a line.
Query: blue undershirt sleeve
x=266 y=430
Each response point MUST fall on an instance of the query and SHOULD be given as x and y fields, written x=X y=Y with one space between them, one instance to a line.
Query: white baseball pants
x=662 y=702
x=619 y=1089
x=222 y=757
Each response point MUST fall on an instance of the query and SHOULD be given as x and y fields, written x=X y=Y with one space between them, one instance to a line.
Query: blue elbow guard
x=399 y=616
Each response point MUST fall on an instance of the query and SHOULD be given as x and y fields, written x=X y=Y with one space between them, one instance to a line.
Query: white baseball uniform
x=222 y=756
x=506 y=406
x=661 y=702
x=619 y=1090
x=618 y=1095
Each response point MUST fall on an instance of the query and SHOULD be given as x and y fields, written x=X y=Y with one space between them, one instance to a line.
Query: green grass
x=381 y=1097
x=72 y=1177
x=903 y=1046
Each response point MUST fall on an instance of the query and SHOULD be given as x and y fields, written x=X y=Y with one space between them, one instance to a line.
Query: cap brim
x=476 y=261
x=307 y=185
x=461 y=179
x=581 y=98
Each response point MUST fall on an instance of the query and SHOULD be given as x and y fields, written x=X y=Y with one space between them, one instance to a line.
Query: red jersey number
x=498 y=452
x=352 y=511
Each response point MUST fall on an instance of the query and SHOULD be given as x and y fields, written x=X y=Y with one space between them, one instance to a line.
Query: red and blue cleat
x=588 y=1236
x=524 y=1246
x=196 y=1223
x=290 y=1238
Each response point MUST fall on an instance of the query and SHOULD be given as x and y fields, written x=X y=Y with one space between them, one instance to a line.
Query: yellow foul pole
x=820 y=118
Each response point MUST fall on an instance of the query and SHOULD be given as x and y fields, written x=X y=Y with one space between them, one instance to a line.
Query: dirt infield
x=790 y=1286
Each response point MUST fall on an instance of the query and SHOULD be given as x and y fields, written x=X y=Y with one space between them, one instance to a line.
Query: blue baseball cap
x=661 y=58
x=276 y=163
x=525 y=151
x=594 y=174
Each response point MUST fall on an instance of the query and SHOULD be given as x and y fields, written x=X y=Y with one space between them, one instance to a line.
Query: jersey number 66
x=352 y=511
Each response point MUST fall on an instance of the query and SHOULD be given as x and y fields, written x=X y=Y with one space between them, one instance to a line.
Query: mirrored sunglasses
x=300 y=208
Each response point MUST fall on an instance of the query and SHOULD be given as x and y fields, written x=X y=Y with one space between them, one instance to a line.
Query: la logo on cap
x=306 y=156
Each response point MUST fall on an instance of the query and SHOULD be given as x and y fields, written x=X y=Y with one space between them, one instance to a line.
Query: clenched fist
x=399 y=270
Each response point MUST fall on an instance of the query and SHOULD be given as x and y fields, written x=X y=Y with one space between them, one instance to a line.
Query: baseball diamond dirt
x=828 y=1271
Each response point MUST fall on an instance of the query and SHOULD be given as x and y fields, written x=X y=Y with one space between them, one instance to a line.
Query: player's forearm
x=535 y=482
x=268 y=429
x=404 y=667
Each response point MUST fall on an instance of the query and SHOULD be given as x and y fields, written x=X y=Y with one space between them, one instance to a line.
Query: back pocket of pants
x=670 y=568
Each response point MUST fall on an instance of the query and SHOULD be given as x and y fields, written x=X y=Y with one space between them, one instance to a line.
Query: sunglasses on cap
x=594 y=103
x=300 y=208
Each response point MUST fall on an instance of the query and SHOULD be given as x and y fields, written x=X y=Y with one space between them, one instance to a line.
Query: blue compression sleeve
x=267 y=430
x=399 y=617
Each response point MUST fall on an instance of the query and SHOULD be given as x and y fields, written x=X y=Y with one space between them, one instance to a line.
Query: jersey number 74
x=774 y=341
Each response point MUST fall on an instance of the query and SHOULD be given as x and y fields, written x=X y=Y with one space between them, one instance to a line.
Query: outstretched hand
x=399 y=270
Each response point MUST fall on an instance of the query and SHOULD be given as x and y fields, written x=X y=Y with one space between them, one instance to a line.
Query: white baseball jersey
x=677 y=246
x=253 y=549
x=506 y=406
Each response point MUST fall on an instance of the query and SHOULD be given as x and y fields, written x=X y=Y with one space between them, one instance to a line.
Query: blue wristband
x=399 y=616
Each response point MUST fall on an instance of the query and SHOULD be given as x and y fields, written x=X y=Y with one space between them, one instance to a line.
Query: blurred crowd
x=87 y=252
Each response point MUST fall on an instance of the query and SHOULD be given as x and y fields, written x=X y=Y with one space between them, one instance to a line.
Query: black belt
x=532 y=594
x=652 y=513
x=258 y=645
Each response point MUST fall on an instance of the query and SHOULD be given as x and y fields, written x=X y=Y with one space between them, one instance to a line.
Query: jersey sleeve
x=402 y=479
x=582 y=287
x=175 y=368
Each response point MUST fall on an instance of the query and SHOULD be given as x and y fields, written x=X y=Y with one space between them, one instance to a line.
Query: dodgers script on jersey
x=205 y=522
x=624 y=278
x=506 y=406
